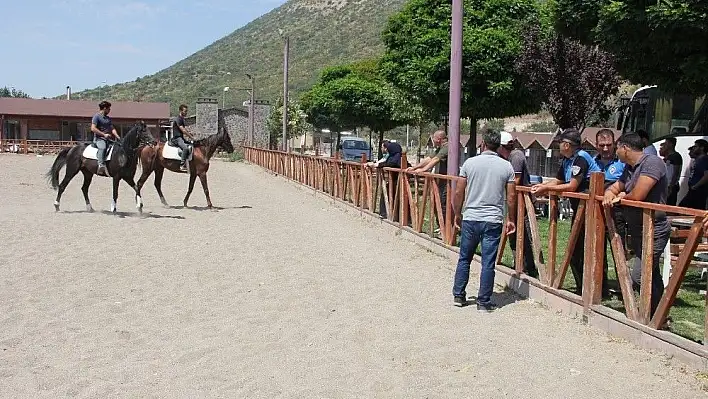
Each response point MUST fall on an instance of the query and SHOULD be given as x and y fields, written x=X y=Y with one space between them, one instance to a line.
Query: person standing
x=613 y=168
x=574 y=176
x=648 y=146
x=674 y=166
x=518 y=162
x=479 y=212
x=698 y=180
x=644 y=179
x=436 y=162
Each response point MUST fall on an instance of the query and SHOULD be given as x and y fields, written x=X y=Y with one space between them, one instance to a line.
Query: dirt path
x=276 y=295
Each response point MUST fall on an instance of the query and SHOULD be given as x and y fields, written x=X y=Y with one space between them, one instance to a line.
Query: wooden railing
x=20 y=146
x=415 y=202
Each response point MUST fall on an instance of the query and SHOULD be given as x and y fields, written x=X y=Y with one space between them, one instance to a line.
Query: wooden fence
x=409 y=198
x=21 y=146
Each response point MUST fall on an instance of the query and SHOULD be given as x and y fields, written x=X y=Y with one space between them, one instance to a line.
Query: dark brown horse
x=122 y=165
x=159 y=158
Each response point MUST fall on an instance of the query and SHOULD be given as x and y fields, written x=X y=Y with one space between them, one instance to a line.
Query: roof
x=542 y=139
x=82 y=109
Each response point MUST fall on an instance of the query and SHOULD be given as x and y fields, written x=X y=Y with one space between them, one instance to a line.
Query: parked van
x=353 y=148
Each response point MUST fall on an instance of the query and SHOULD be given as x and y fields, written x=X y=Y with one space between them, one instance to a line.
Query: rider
x=103 y=129
x=178 y=131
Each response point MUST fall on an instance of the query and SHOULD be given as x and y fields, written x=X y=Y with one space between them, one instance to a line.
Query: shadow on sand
x=144 y=215
x=204 y=208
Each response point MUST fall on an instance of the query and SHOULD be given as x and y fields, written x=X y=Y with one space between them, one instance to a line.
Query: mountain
x=322 y=33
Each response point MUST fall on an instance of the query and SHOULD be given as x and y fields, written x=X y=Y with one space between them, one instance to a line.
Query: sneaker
x=487 y=307
x=183 y=168
x=460 y=301
x=101 y=171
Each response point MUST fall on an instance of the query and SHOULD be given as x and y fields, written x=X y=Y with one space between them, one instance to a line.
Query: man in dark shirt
x=674 y=165
x=698 y=180
x=437 y=162
x=178 y=133
x=613 y=168
x=103 y=130
x=644 y=179
x=573 y=175
x=518 y=162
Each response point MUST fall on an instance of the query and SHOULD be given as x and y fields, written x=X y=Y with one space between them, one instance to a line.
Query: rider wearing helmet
x=178 y=133
x=103 y=130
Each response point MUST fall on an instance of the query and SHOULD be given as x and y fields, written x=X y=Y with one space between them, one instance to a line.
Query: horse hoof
x=89 y=209
x=56 y=208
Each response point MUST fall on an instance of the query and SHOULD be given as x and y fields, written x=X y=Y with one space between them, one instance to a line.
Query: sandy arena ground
x=277 y=295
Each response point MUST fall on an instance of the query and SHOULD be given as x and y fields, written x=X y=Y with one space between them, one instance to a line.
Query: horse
x=166 y=156
x=121 y=163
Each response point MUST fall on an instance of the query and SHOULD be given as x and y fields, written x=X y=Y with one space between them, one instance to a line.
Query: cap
x=506 y=138
x=571 y=135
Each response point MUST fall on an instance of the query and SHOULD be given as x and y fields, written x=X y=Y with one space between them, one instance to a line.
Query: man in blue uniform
x=103 y=130
x=613 y=168
x=573 y=175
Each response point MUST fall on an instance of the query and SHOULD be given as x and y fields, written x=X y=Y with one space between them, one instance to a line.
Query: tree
x=296 y=122
x=417 y=57
x=348 y=96
x=7 y=92
x=654 y=42
x=571 y=79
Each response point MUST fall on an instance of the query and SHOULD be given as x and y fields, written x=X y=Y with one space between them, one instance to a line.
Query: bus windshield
x=663 y=115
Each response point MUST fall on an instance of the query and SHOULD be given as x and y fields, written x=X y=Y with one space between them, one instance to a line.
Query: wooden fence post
x=594 y=243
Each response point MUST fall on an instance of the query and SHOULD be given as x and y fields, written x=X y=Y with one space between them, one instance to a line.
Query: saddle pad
x=90 y=152
x=172 y=152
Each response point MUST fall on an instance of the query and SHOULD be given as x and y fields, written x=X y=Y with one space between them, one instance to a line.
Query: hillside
x=322 y=33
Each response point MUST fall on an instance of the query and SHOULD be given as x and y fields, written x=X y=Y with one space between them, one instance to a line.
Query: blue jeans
x=101 y=144
x=472 y=234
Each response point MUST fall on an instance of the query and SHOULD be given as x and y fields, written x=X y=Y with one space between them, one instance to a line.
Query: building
x=210 y=119
x=28 y=124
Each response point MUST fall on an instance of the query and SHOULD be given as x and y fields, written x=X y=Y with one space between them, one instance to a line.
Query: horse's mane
x=209 y=141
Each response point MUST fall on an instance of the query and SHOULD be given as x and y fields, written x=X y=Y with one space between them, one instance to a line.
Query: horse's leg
x=143 y=178
x=192 y=179
x=88 y=176
x=114 y=202
x=159 y=171
x=205 y=186
x=138 y=198
x=71 y=170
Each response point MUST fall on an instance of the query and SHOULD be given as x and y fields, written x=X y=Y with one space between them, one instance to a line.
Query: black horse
x=122 y=165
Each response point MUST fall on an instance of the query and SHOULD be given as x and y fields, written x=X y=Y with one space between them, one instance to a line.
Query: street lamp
x=223 y=97
x=251 y=108
x=286 y=51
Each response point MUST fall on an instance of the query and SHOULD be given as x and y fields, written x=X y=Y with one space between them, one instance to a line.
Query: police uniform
x=579 y=166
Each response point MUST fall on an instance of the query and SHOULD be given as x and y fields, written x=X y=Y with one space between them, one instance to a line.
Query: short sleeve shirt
x=613 y=169
x=518 y=162
x=579 y=166
x=674 y=163
x=176 y=122
x=700 y=167
x=651 y=166
x=487 y=175
x=102 y=122
x=441 y=153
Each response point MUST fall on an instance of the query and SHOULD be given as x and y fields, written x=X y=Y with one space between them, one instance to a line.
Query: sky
x=46 y=45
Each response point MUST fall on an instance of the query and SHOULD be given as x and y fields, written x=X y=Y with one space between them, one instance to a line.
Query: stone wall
x=210 y=119
x=207 y=120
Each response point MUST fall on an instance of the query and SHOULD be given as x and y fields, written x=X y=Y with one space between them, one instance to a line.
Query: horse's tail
x=53 y=174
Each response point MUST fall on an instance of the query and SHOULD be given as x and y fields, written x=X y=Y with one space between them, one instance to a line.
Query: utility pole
x=455 y=90
x=286 y=55
x=251 y=108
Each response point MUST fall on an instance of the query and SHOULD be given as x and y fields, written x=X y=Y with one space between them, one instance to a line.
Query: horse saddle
x=91 y=150
x=170 y=151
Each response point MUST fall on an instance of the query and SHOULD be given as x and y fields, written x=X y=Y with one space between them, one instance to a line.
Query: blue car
x=353 y=148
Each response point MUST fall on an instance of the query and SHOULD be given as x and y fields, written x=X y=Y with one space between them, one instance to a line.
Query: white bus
x=662 y=115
